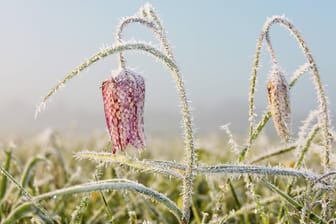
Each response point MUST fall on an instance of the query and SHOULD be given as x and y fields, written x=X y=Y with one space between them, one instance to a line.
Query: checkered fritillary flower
x=124 y=97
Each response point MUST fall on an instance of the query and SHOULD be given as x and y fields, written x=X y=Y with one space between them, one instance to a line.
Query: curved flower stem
x=114 y=184
x=263 y=122
x=123 y=24
x=158 y=31
x=270 y=49
x=324 y=120
x=253 y=133
x=251 y=94
x=263 y=35
x=162 y=34
x=190 y=156
x=324 y=116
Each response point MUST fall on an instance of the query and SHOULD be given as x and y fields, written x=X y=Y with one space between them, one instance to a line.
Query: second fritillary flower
x=124 y=98
x=278 y=100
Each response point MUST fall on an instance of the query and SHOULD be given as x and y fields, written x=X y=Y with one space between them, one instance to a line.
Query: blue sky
x=213 y=42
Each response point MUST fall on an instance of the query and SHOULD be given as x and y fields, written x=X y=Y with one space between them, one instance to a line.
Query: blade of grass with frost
x=252 y=206
x=215 y=169
x=113 y=184
x=261 y=170
x=292 y=201
x=78 y=214
x=34 y=206
x=145 y=165
x=28 y=172
x=3 y=183
x=97 y=176
x=304 y=148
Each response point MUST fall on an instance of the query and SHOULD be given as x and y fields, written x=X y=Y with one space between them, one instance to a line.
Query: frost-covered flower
x=278 y=99
x=124 y=97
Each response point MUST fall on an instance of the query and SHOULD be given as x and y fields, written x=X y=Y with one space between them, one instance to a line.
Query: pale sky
x=213 y=43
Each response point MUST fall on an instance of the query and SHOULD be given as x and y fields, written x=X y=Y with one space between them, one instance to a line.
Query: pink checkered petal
x=123 y=97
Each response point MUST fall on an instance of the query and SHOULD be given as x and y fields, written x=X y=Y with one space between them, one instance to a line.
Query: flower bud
x=278 y=100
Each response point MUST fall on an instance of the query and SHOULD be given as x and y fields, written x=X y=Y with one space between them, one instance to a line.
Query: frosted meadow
x=120 y=180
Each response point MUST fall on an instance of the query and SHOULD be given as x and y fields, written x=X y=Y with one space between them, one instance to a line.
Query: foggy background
x=213 y=42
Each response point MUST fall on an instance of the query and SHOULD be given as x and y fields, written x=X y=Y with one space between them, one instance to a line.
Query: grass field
x=46 y=163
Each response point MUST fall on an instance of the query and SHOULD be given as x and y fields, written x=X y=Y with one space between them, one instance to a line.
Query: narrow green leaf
x=292 y=201
x=113 y=184
x=3 y=183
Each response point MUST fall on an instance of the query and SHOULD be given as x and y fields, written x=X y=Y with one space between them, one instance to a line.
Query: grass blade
x=3 y=183
x=112 y=184
x=292 y=201
x=28 y=171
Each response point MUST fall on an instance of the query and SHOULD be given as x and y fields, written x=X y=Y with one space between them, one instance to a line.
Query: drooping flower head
x=278 y=100
x=124 y=97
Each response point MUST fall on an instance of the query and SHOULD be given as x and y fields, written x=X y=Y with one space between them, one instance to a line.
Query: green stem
x=190 y=155
x=126 y=21
x=162 y=33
